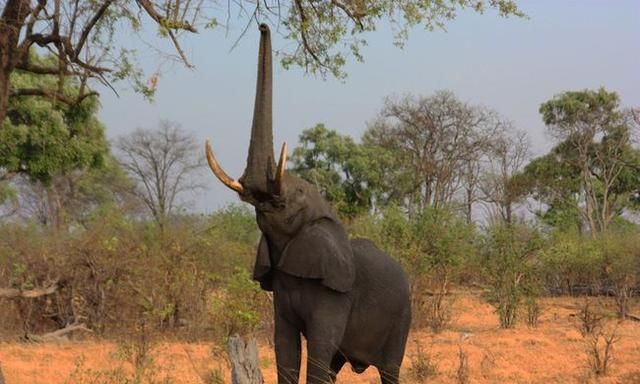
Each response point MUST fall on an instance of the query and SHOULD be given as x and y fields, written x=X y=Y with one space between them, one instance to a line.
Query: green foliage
x=6 y=192
x=434 y=240
x=621 y=265
x=329 y=33
x=570 y=109
x=235 y=308
x=570 y=260
x=231 y=237
x=511 y=267
x=554 y=182
x=590 y=178
x=42 y=138
x=346 y=173
x=129 y=70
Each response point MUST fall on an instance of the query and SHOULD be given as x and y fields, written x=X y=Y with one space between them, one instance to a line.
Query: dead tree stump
x=245 y=367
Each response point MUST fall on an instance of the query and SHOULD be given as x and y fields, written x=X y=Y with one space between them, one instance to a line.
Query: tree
x=163 y=163
x=435 y=142
x=41 y=140
x=590 y=175
x=510 y=258
x=77 y=196
x=506 y=156
x=81 y=34
x=347 y=173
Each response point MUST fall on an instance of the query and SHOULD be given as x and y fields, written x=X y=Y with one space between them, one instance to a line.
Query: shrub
x=423 y=365
x=589 y=321
x=115 y=272
x=510 y=264
x=571 y=261
x=237 y=306
x=533 y=310
x=600 y=350
x=621 y=266
x=462 y=372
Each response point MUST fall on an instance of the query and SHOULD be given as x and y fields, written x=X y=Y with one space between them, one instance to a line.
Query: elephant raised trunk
x=260 y=179
x=260 y=162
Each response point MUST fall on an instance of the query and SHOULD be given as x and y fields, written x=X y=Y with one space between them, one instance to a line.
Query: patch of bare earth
x=554 y=352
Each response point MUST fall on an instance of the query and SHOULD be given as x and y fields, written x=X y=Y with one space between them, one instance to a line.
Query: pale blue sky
x=510 y=65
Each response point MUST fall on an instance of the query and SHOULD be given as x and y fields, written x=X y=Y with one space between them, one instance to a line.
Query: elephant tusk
x=220 y=174
x=282 y=165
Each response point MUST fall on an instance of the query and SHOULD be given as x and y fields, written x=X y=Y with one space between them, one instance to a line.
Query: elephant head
x=291 y=213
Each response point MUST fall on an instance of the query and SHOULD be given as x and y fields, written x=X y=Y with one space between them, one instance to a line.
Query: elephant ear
x=321 y=250
x=262 y=269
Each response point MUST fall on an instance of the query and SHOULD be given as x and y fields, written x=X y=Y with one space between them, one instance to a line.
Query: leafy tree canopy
x=590 y=177
x=83 y=34
x=42 y=138
x=344 y=170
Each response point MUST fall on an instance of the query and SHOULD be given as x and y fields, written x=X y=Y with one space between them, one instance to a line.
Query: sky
x=511 y=65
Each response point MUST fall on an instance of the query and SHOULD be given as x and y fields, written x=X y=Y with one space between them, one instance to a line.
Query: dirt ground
x=554 y=352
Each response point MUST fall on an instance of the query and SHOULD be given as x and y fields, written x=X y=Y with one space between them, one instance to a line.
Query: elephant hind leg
x=394 y=348
x=336 y=365
x=390 y=375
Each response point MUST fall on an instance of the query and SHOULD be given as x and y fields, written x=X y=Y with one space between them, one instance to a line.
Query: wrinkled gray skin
x=349 y=299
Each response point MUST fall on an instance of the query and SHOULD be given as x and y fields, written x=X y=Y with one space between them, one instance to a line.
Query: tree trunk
x=245 y=368
x=12 y=20
x=4 y=94
x=469 y=205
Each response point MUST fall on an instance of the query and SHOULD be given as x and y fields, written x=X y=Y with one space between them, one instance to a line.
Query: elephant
x=349 y=299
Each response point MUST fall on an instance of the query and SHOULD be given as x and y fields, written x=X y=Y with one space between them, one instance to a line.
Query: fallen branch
x=59 y=335
x=12 y=293
x=633 y=317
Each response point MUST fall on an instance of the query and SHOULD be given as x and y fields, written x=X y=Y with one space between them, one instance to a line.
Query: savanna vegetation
x=100 y=236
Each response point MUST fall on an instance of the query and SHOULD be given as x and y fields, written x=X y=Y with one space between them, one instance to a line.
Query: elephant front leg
x=319 y=359
x=287 y=340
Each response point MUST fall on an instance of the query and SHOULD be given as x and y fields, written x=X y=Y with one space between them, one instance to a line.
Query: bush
x=237 y=306
x=571 y=263
x=423 y=365
x=511 y=266
x=116 y=272
x=621 y=266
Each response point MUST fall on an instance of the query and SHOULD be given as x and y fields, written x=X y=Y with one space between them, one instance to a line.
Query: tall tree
x=436 y=142
x=81 y=34
x=506 y=156
x=42 y=140
x=593 y=170
x=347 y=173
x=74 y=197
x=164 y=163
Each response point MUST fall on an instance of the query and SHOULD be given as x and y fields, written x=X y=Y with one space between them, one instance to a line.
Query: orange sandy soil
x=555 y=352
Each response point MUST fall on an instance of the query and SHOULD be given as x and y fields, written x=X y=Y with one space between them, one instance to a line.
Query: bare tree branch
x=52 y=94
x=57 y=335
x=13 y=293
